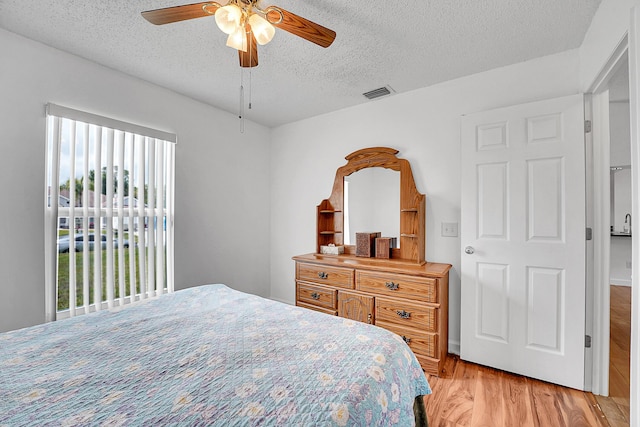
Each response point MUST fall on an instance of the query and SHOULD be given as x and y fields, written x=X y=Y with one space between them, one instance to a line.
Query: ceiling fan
x=246 y=24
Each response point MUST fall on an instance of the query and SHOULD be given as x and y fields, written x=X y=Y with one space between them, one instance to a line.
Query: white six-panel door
x=523 y=237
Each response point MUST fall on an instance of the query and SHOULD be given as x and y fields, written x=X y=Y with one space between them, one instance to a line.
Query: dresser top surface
x=428 y=269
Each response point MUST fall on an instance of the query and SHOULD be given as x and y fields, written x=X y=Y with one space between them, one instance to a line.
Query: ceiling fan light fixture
x=228 y=18
x=238 y=39
x=236 y=19
x=262 y=29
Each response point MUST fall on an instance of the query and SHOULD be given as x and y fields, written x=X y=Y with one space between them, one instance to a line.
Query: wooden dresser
x=406 y=298
x=400 y=291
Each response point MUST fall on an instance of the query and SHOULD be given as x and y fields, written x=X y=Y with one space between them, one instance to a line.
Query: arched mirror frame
x=330 y=214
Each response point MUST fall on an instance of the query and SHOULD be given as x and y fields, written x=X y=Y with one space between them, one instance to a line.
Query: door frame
x=634 y=106
x=630 y=44
x=598 y=217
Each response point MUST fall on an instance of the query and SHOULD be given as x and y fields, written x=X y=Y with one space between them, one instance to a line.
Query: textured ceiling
x=405 y=44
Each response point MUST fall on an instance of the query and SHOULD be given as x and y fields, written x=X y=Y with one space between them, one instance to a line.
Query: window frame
x=55 y=114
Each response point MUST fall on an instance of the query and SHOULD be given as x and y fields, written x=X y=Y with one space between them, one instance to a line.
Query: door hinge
x=587 y=341
x=587 y=126
x=589 y=233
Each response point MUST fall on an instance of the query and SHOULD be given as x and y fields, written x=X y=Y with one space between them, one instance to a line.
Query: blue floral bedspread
x=207 y=356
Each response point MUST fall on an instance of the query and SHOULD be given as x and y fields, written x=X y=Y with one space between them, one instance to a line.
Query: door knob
x=469 y=250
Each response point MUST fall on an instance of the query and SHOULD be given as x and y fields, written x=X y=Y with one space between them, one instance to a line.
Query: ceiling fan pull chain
x=241 y=109
x=250 y=82
x=250 y=46
x=241 y=114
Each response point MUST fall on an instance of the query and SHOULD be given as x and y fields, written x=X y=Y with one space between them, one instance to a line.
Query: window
x=114 y=180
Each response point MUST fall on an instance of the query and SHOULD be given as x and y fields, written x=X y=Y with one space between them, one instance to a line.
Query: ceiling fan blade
x=180 y=13
x=300 y=27
x=249 y=58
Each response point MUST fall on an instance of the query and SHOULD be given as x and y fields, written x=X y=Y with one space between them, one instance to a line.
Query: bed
x=209 y=355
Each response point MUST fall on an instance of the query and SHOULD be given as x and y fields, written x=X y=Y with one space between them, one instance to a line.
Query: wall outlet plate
x=449 y=229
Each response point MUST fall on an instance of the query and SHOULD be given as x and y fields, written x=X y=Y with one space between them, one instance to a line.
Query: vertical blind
x=108 y=212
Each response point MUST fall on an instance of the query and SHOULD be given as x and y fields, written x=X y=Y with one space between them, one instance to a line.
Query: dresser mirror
x=335 y=218
x=371 y=203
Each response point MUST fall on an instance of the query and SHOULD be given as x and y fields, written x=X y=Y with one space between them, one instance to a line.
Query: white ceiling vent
x=377 y=93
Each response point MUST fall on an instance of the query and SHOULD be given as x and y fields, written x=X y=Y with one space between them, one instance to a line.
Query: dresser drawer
x=405 y=313
x=334 y=276
x=422 y=343
x=431 y=366
x=316 y=308
x=413 y=287
x=317 y=295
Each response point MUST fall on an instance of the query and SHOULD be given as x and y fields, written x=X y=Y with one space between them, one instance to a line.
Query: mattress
x=207 y=355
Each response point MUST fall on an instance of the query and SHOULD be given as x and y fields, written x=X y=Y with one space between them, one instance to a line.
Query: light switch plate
x=450 y=229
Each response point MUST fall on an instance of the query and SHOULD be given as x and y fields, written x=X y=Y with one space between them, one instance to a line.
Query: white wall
x=621 y=195
x=620 y=266
x=620 y=155
x=619 y=133
x=620 y=140
x=424 y=125
x=222 y=214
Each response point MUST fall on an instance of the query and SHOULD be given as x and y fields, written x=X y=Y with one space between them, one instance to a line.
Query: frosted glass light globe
x=262 y=29
x=238 y=39
x=228 y=18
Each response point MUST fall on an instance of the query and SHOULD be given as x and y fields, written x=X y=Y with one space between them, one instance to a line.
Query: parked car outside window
x=63 y=243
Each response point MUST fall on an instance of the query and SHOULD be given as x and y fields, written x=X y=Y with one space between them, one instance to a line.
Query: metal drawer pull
x=315 y=295
x=405 y=339
x=403 y=314
x=323 y=275
x=392 y=286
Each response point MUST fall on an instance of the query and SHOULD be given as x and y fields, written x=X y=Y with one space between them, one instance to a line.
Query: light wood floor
x=474 y=395
x=616 y=406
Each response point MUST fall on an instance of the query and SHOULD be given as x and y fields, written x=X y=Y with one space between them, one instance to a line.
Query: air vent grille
x=377 y=93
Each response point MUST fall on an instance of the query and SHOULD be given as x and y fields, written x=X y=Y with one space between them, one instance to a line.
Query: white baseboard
x=620 y=282
x=454 y=347
x=282 y=301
